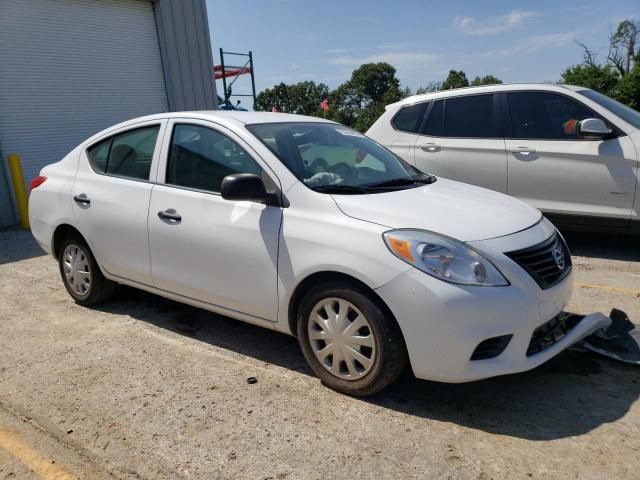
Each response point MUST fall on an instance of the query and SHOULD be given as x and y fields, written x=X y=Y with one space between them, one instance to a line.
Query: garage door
x=69 y=68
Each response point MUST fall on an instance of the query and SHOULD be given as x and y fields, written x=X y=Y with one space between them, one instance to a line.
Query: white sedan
x=309 y=228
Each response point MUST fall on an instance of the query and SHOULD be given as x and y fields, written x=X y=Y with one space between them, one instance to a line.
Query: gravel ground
x=143 y=387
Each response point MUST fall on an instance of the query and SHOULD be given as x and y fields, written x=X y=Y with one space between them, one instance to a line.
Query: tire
x=77 y=264
x=381 y=354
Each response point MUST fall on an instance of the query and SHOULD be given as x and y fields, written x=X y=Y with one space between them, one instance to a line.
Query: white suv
x=569 y=151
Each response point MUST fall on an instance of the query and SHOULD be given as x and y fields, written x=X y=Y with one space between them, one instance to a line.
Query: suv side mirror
x=247 y=186
x=594 y=128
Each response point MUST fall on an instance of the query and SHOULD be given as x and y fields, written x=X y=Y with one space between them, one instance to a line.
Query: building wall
x=186 y=54
x=69 y=68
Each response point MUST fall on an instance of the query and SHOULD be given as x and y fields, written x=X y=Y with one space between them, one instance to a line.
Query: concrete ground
x=143 y=387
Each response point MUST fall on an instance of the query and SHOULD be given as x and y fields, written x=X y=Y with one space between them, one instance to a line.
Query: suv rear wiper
x=344 y=189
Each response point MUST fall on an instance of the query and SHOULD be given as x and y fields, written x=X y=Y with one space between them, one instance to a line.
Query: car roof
x=499 y=87
x=236 y=117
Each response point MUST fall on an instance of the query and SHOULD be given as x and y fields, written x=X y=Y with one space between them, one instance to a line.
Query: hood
x=455 y=209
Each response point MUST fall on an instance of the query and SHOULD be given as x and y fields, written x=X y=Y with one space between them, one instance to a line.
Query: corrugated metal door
x=69 y=68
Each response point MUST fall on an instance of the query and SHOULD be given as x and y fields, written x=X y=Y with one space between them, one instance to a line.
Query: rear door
x=462 y=140
x=111 y=196
x=554 y=169
x=218 y=251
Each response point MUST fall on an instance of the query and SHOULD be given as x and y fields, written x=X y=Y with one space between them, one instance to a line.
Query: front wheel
x=350 y=341
x=81 y=274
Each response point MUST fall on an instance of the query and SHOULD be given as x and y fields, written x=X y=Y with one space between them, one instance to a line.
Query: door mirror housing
x=248 y=187
x=594 y=128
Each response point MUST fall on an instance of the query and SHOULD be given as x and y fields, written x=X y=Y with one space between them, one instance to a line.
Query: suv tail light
x=36 y=182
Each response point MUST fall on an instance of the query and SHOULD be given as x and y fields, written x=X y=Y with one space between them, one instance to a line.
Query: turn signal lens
x=401 y=248
x=36 y=182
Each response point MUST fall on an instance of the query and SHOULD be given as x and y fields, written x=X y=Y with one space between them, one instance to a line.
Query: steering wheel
x=342 y=169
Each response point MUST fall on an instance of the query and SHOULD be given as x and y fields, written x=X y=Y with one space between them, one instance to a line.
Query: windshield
x=332 y=158
x=629 y=115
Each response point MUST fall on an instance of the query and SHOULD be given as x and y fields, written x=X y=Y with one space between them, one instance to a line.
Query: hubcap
x=77 y=270
x=341 y=338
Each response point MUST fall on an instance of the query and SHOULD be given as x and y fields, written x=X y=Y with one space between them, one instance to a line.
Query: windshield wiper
x=401 y=182
x=344 y=189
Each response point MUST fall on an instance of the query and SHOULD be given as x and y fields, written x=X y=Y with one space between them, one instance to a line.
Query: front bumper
x=443 y=324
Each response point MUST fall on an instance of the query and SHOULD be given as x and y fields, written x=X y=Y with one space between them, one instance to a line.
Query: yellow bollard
x=19 y=189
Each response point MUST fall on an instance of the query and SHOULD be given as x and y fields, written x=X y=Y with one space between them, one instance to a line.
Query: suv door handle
x=170 y=214
x=523 y=150
x=82 y=199
x=430 y=147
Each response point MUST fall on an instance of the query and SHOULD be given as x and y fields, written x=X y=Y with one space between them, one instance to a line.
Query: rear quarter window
x=409 y=118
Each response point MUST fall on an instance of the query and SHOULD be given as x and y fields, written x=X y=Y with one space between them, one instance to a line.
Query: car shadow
x=570 y=395
x=608 y=246
x=17 y=244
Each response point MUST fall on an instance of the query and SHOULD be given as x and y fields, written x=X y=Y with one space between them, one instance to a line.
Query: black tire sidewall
x=97 y=279
x=376 y=378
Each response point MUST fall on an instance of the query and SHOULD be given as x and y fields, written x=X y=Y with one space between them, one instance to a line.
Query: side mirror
x=594 y=128
x=247 y=186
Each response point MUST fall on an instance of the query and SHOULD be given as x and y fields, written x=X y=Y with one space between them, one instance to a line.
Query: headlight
x=443 y=258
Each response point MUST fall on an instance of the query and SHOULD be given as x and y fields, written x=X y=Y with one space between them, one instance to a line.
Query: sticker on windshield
x=349 y=133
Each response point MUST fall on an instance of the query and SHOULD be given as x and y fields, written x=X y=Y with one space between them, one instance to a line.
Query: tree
x=432 y=86
x=601 y=78
x=303 y=98
x=455 y=79
x=359 y=101
x=486 y=80
x=622 y=46
x=619 y=76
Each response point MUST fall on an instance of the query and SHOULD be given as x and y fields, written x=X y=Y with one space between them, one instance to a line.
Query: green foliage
x=303 y=98
x=455 y=79
x=359 y=101
x=619 y=77
x=627 y=90
x=429 y=88
x=486 y=80
x=601 y=78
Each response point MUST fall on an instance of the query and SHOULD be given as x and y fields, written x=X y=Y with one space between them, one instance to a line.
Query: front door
x=221 y=252
x=554 y=169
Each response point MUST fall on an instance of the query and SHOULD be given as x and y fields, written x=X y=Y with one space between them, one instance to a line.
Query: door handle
x=82 y=199
x=522 y=150
x=170 y=214
x=430 y=147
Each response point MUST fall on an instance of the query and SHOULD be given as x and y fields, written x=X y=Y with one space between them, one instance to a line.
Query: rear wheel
x=81 y=274
x=350 y=341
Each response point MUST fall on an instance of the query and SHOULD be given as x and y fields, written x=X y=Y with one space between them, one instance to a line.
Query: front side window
x=128 y=154
x=409 y=118
x=548 y=116
x=201 y=157
x=629 y=115
x=470 y=117
x=332 y=158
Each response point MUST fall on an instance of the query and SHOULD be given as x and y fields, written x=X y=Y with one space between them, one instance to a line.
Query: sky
x=325 y=40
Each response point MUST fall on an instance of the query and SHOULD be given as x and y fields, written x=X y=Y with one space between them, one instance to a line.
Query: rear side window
x=435 y=123
x=128 y=154
x=201 y=157
x=548 y=116
x=409 y=118
x=470 y=117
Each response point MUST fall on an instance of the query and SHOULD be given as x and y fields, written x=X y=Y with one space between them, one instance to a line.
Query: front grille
x=491 y=347
x=547 y=263
x=552 y=331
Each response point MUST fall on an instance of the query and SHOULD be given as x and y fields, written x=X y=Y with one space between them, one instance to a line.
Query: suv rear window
x=409 y=118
